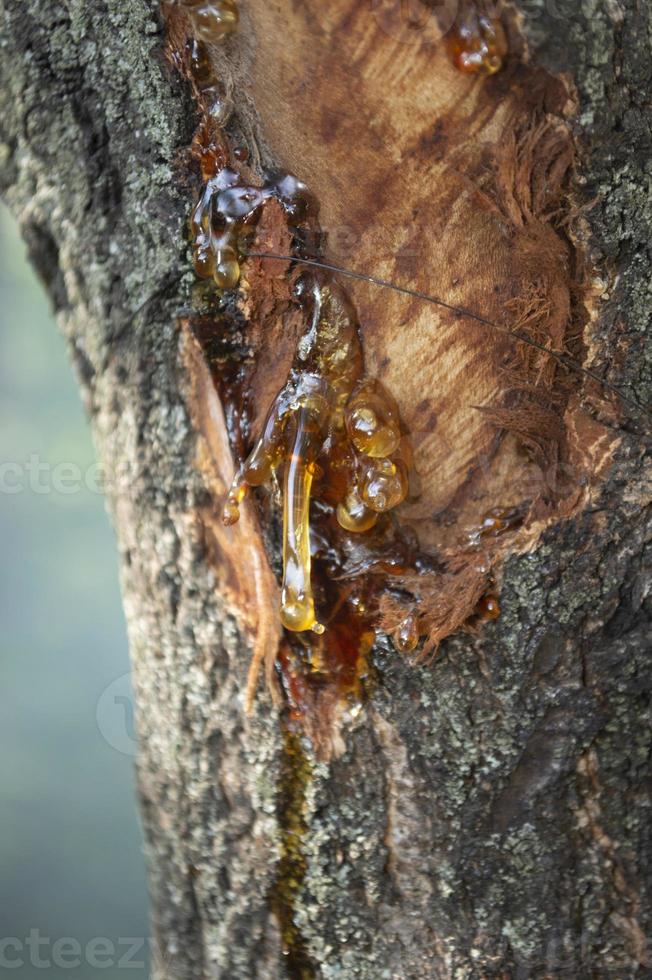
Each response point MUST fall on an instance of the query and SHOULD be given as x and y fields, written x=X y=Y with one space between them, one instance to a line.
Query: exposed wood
x=415 y=166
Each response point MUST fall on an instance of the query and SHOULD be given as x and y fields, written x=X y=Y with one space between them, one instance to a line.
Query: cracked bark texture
x=491 y=814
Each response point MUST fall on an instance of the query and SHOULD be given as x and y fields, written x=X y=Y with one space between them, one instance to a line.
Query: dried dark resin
x=296 y=775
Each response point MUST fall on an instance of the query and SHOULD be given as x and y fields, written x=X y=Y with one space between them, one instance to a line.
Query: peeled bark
x=488 y=815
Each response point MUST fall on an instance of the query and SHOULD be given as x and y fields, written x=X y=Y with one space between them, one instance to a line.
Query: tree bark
x=489 y=816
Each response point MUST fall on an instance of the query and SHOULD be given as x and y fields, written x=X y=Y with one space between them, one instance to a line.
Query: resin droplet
x=297 y=200
x=200 y=65
x=492 y=525
x=227 y=268
x=496 y=522
x=230 y=513
x=372 y=420
x=488 y=608
x=218 y=104
x=477 y=45
x=203 y=261
x=406 y=636
x=231 y=509
x=383 y=484
x=213 y=20
x=353 y=515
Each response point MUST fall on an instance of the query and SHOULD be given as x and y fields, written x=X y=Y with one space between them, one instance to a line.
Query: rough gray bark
x=490 y=816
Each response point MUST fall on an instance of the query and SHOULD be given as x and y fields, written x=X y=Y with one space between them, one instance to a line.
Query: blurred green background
x=70 y=851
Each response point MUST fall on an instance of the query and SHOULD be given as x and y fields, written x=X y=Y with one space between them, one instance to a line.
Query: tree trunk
x=489 y=813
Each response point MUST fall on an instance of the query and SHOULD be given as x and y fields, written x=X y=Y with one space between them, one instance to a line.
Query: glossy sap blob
x=406 y=636
x=477 y=44
x=212 y=20
x=225 y=217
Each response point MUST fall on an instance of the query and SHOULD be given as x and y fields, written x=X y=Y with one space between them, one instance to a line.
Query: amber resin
x=328 y=418
x=406 y=637
x=295 y=778
x=497 y=521
x=211 y=20
x=325 y=442
x=488 y=608
x=332 y=436
x=477 y=43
